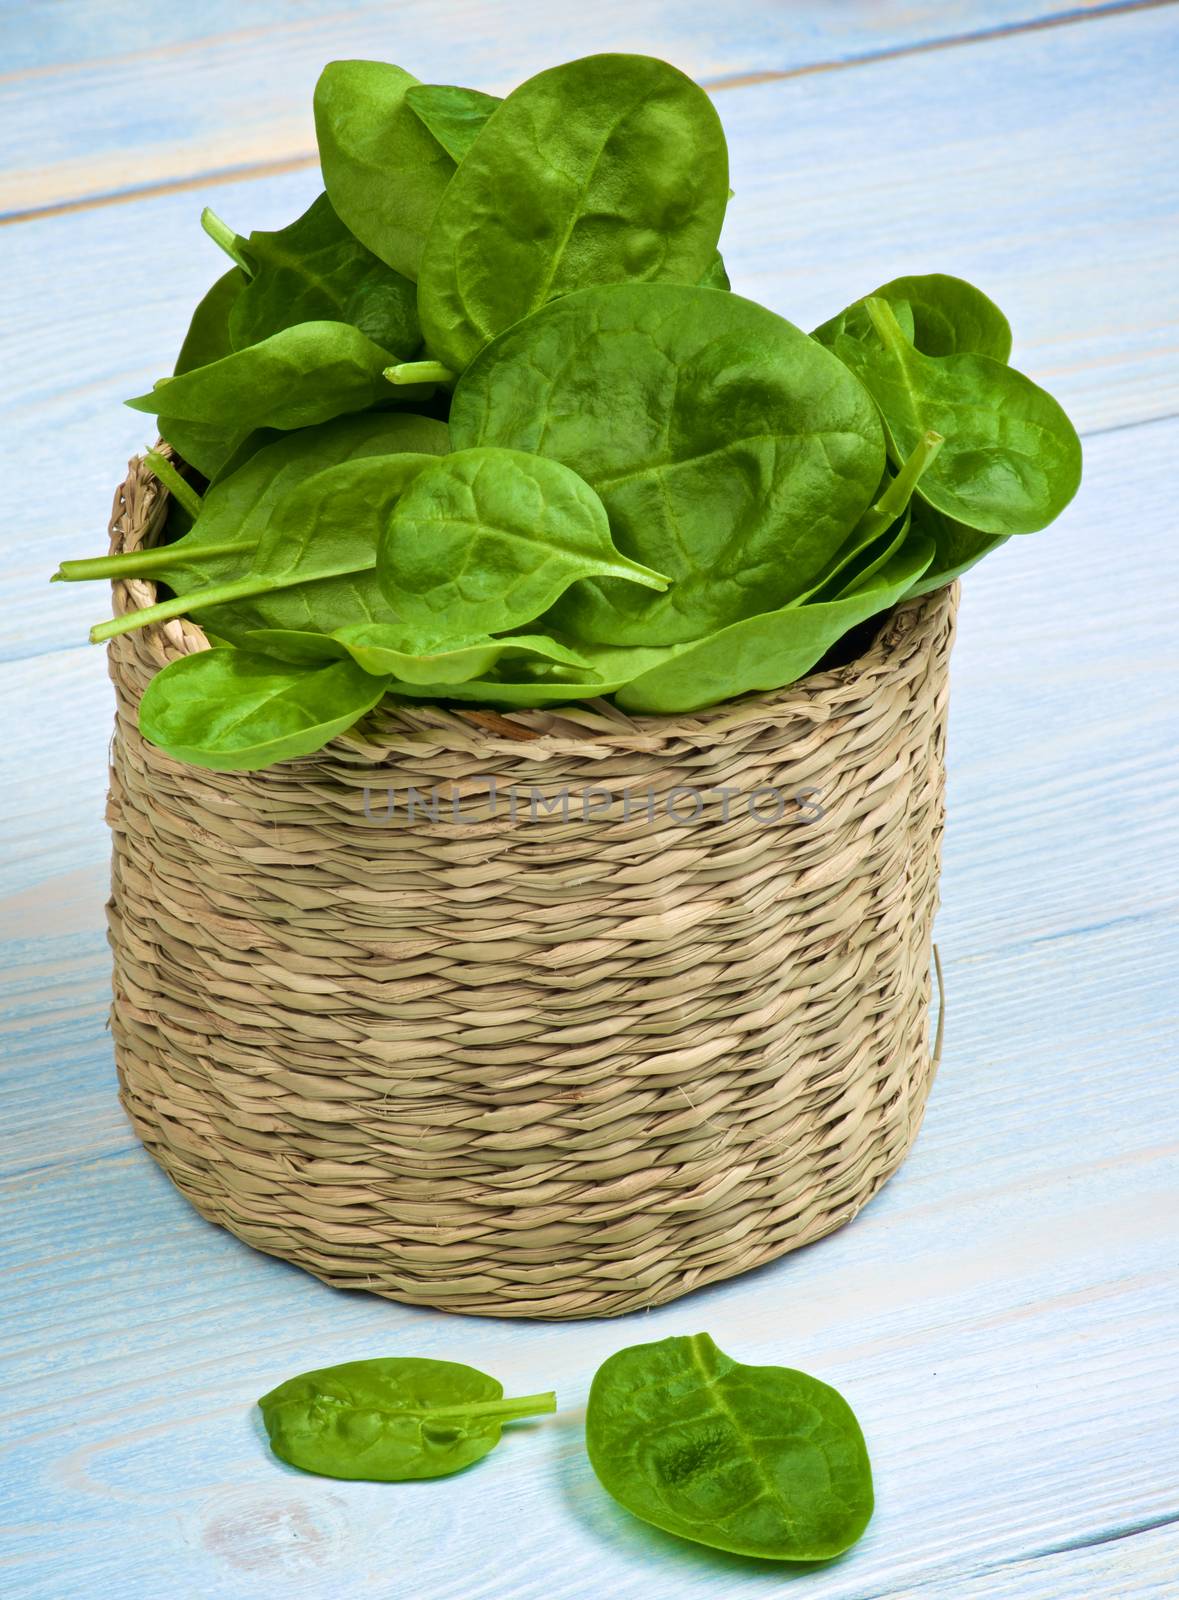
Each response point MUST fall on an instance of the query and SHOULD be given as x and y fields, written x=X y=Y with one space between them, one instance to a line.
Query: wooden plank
x=1136 y=1566
x=195 y=92
x=1105 y=341
x=995 y=1316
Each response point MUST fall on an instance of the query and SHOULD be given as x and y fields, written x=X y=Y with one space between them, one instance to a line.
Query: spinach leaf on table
x=1011 y=461
x=609 y=169
x=453 y=115
x=732 y=452
x=487 y=538
x=208 y=338
x=762 y=1461
x=383 y=169
x=305 y=374
x=394 y=1419
x=229 y=711
x=316 y=270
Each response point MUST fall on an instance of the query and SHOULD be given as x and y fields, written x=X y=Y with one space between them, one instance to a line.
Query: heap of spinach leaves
x=487 y=424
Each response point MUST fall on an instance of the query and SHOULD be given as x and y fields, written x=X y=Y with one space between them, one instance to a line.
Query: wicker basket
x=566 y=1063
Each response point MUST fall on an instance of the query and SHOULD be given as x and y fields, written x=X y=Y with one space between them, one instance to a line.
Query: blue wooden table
x=1005 y=1317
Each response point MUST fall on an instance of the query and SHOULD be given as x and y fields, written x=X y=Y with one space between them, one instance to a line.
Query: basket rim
x=137 y=518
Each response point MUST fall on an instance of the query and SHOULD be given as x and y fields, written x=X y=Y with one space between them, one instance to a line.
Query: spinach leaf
x=453 y=115
x=391 y=1419
x=314 y=568
x=303 y=375
x=956 y=547
x=388 y=650
x=773 y=649
x=486 y=539
x=940 y=316
x=880 y=530
x=315 y=270
x=397 y=653
x=383 y=170
x=522 y=683
x=714 y=275
x=228 y=711
x=207 y=338
x=731 y=451
x=609 y=169
x=1012 y=460
x=236 y=511
x=763 y=1461
x=863 y=566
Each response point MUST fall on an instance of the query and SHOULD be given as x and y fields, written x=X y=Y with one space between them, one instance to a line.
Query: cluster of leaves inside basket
x=487 y=424
x=764 y=1461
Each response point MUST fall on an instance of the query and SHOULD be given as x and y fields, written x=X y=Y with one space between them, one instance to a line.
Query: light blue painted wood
x=41 y=34
x=1005 y=1316
x=213 y=88
x=1141 y=1567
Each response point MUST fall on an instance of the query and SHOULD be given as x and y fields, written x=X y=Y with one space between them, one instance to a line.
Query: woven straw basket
x=569 y=1063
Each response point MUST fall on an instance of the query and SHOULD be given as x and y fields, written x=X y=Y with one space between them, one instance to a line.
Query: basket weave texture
x=567 y=1064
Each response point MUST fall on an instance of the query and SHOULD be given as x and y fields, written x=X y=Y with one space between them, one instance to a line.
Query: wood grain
x=210 y=90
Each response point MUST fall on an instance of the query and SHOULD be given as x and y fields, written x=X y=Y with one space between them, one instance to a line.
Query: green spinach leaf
x=391 y=1419
x=610 y=169
x=397 y=653
x=763 y=1461
x=486 y=539
x=956 y=547
x=731 y=451
x=383 y=170
x=207 y=339
x=314 y=568
x=714 y=275
x=389 y=650
x=315 y=270
x=453 y=115
x=940 y=315
x=229 y=711
x=301 y=376
x=774 y=649
x=1011 y=461
x=237 y=511
x=522 y=683
x=880 y=531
